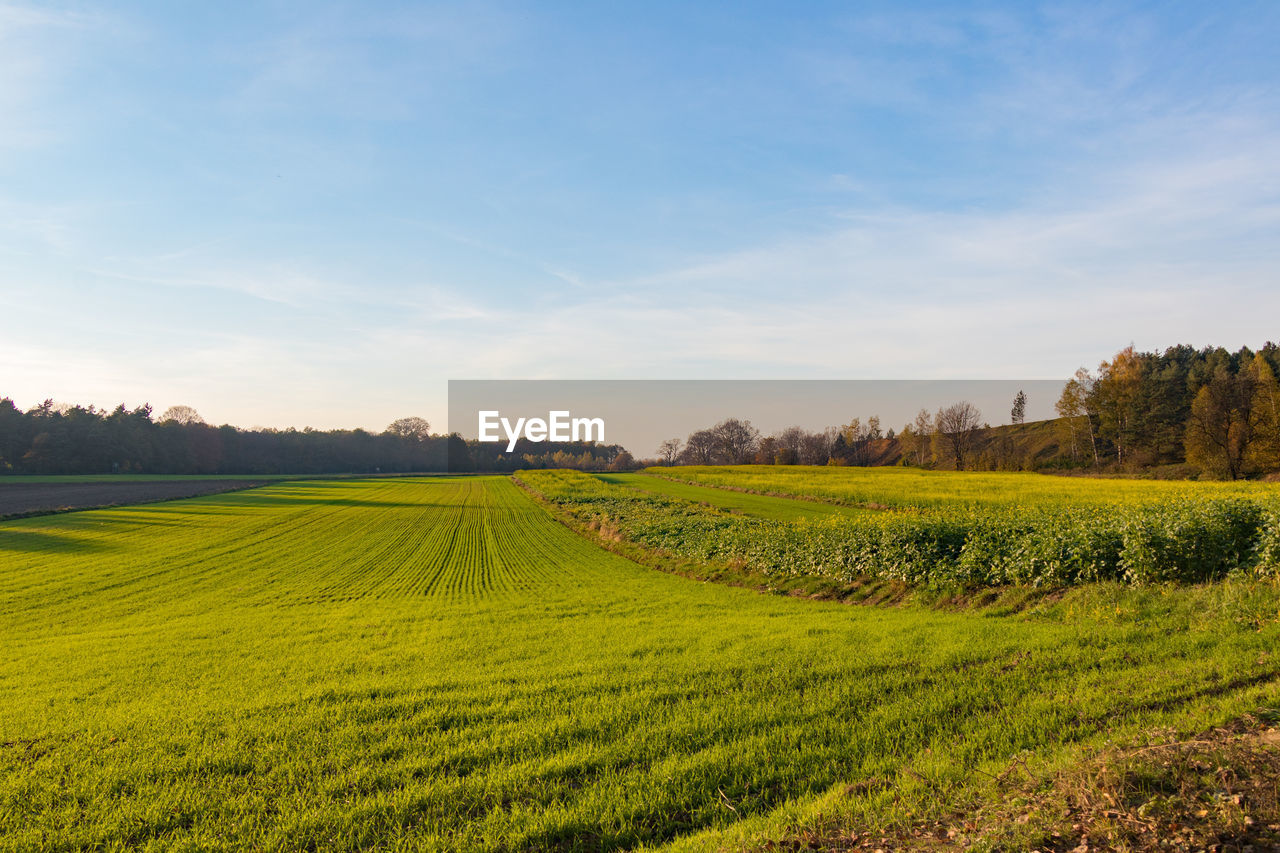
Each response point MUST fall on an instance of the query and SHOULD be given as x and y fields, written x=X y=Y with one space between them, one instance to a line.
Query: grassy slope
x=898 y=487
x=1032 y=444
x=439 y=665
x=760 y=506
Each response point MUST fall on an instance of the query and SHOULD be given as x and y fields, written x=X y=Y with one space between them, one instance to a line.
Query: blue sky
x=315 y=214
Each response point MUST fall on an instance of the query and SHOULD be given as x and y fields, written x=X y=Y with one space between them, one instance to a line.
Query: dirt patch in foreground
x=20 y=499
x=1218 y=791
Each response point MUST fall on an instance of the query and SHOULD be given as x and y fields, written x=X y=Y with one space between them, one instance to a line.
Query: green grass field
x=438 y=664
x=759 y=506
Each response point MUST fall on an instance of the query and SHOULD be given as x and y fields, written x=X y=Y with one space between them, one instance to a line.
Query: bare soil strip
x=22 y=499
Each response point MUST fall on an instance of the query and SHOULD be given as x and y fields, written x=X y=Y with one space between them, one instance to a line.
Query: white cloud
x=1163 y=252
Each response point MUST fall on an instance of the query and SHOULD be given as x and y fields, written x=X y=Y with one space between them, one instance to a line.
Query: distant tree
x=766 y=452
x=735 y=440
x=1223 y=424
x=787 y=445
x=13 y=434
x=183 y=415
x=854 y=447
x=46 y=409
x=699 y=448
x=918 y=445
x=1116 y=396
x=1264 y=453
x=622 y=462
x=957 y=425
x=1072 y=408
x=412 y=427
x=907 y=440
x=669 y=451
x=1018 y=414
x=815 y=449
x=458 y=454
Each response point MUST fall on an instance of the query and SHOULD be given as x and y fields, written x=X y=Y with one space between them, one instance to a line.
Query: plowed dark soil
x=17 y=499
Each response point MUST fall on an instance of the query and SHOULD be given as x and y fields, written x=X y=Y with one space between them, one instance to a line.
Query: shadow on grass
x=34 y=542
x=321 y=501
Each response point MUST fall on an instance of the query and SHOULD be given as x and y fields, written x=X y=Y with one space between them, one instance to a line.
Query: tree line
x=1215 y=412
x=947 y=435
x=70 y=439
x=1212 y=411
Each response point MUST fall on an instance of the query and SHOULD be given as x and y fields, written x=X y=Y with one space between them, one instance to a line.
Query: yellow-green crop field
x=440 y=664
x=920 y=488
x=937 y=529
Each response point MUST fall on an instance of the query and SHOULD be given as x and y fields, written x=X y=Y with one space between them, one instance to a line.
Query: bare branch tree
x=814 y=449
x=958 y=426
x=669 y=451
x=700 y=448
x=415 y=428
x=181 y=415
x=735 y=440
x=789 y=445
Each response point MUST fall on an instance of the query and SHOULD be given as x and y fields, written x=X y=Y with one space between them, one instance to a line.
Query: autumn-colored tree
x=1263 y=454
x=855 y=440
x=915 y=438
x=787 y=446
x=1223 y=424
x=623 y=462
x=1072 y=409
x=766 y=453
x=1115 y=394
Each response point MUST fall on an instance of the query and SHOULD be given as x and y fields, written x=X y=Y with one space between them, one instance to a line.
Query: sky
x=315 y=214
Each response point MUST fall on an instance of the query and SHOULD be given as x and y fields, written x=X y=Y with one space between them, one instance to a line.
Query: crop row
x=1183 y=540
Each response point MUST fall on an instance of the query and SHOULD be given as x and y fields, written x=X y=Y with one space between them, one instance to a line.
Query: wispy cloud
x=39 y=47
x=345 y=62
x=486 y=192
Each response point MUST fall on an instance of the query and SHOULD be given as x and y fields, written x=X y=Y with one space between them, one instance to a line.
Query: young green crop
x=440 y=665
